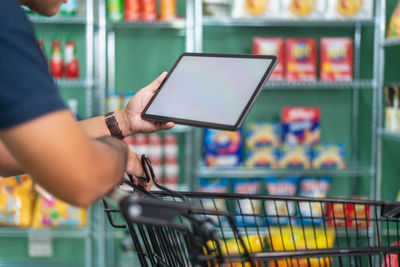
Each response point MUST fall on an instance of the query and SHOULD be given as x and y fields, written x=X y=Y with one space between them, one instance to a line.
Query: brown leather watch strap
x=112 y=125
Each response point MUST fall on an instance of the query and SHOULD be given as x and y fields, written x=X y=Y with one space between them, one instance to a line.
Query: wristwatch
x=112 y=125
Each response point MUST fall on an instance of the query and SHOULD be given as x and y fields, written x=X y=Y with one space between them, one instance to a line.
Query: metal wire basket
x=218 y=229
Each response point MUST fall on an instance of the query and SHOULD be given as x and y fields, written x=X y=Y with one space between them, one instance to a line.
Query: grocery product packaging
x=222 y=148
x=295 y=157
x=303 y=9
x=263 y=157
x=16 y=201
x=272 y=46
x=392 y=112
x=261 y=134
x=301 y=125
x=336 y=59
x=280 y=211
x=52 y=212
x=301 y=60
x=350 y=9
x=247 y=206
x=115 y=10
x=114 y=101
x=393 y=29
x=329 y=156
x=214 y=186
x=255 y=9
x=348 y=215
x=310 y=212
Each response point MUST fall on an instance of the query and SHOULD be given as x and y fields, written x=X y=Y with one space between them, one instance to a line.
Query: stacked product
x=141 y=10
x=303 y=9
x=23 y=204
x=297 y=58
x=393 y=30
x=392 y=112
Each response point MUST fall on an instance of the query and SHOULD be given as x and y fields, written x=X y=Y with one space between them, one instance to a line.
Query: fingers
x=134 y=165
x=157 y=82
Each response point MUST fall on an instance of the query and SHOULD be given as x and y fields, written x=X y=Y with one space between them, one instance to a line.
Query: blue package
x=247 y=206
x=263 y=157
x=310 y=212
x=214 y=186
x=295 y=157
x=329 y=156
x=222 y=148
x=261 y=134
x=280 y=211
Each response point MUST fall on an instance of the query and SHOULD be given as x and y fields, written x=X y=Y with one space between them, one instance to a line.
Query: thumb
x=153 y=86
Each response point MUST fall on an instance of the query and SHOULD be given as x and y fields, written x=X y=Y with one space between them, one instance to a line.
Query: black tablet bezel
x=245 y=111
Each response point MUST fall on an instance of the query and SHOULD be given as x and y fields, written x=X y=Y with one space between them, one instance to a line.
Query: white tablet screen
x=209 y=89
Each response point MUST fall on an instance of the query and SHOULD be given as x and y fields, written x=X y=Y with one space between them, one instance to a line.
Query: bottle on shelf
x=392 y=108
x=56 y=59
x=70 y=59
x=69 y=8
x=149 y=10
x=167 y=10
x=114 y=10
x=132 y=10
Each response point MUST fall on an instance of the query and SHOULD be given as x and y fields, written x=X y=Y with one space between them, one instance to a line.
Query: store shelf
x=175 y=24
x=245 y=172
x=391 y=42
x=38 y=263
x=55 y=233
x=71 y=83
x=388 y=135
x=57 y=20
x=284 y=23
x=363 y=84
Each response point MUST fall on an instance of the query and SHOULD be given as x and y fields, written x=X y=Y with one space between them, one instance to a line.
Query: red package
x=301 y=60
x=149 y=12
x=132 y=10
x=336 y=212
x=391 y=260
x=359 y=214
x=336 y=59
x=271 y=46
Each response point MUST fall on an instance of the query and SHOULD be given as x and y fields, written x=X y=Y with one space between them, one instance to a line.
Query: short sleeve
x=27 y=90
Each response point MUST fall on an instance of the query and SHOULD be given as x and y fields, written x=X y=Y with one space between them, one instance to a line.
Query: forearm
x=96 y=126
x=8 y=164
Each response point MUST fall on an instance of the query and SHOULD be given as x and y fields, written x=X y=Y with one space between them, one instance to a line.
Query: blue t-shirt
x=27 y=90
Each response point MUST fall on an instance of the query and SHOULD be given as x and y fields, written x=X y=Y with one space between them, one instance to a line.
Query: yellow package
x=16 y=201
x=286 y=238
x=394 y=24
x=52 y=212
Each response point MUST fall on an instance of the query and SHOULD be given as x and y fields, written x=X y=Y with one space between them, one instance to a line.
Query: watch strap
x=112 y=125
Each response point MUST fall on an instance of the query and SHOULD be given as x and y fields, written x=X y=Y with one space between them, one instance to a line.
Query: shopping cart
x=171 y=228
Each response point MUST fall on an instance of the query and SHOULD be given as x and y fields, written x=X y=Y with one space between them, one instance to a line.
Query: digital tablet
x=210 y=90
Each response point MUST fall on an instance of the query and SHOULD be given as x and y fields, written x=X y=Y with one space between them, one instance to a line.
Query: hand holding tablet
x=210 y=90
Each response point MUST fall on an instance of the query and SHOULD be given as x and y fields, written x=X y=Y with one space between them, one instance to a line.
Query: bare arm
x=61 y=157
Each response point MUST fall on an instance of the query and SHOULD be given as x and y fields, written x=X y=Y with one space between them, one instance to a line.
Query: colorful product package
x=303 y=9
x=16 y=201
x=272 y=46
x=295 y=157
x=255 y=9
x=336 y=59
x=393 y=29
x=247 y=206
x=261 y=134
x=214 y=186
x=51 y=212
x=222 y=148
x=279 y=211
x=263 y=157
x=114 y=101
x=290 y=238
x=348 y=215
x=301 y=60
x=329 y=156
x=311 y=213
x=301 y=125
x=350 y=9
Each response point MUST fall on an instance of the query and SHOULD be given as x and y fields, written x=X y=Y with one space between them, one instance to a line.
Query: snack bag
x=290 y=238
x=260 y=134
x=301 y=125
x=336 y=59
x=247 y=206
x=51 y=212
x=294 y=157
x=303 y=9
x=255 y=9
x=394 y=24
x=329 y=156
x=222 y=148
x=350 y=9
x=214 y=186
x=272 y=46
x=348 y=215
x=16 y=201
x=301 y=60
x=315 y=188
x=263 y=157
x=280 y=211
